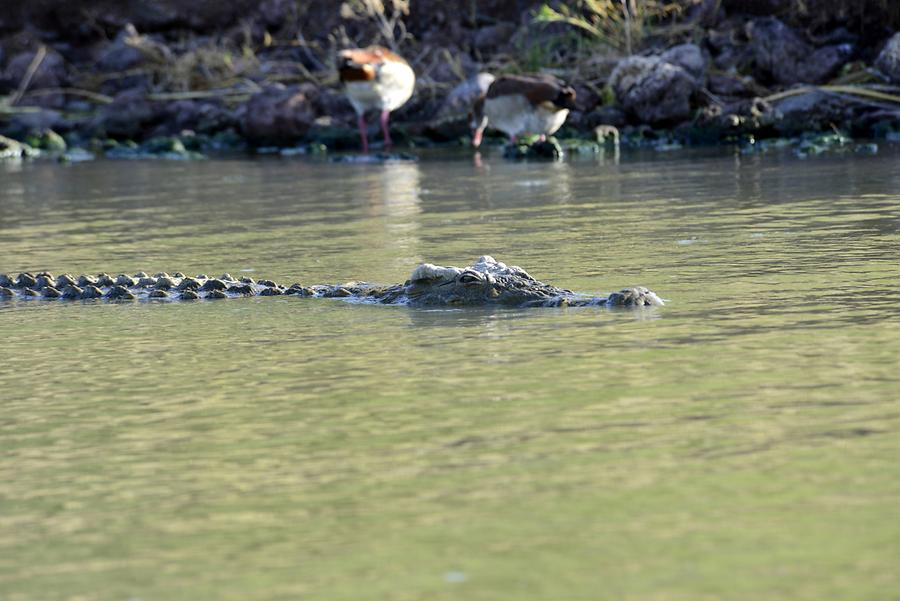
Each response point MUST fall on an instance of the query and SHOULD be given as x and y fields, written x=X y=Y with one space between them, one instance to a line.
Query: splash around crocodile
x=486 y=282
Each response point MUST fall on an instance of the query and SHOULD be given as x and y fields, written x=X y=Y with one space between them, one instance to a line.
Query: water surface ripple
x=738 y=443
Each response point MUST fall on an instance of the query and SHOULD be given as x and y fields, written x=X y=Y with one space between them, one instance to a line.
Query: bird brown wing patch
x=373 y=55
x=352 y=72
x=537 y=89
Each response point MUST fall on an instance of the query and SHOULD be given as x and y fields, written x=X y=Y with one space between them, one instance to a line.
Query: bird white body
x=515 y=115
x=392 y=87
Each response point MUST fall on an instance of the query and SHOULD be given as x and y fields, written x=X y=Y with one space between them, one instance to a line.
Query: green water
x=739 y=443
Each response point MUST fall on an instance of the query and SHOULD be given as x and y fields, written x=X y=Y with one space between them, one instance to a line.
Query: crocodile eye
x=469 y=278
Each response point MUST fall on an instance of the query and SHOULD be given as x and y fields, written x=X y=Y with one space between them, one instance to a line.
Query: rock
x=653 y=91
x=51 y=73
x=128 y=115
x=31 y=122
x=130 y=50
x=689 y=57
x=198 y=116
x=780 y=55
x=755 y=7
x=724 y=84
x=888 y=61
x=48 y=140
x=461 y=98
x=494 y=36
x=744 y=116
x=814 y=111
x=278 y=115
x=11 y=149
x=546 y=149
x=605 y=115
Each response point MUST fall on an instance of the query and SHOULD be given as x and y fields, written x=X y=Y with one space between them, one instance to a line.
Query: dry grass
x=622 y=25
x=387 y=16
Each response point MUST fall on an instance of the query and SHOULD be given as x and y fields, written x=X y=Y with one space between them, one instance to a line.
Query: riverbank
x=162 y=79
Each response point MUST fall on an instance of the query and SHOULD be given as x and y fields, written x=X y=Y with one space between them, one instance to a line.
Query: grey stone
x=652 y=90
x=888 y=61
x=689 y=57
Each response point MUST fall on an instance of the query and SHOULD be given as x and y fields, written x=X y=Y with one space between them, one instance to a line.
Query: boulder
x=605 y=115
x=460 y=99
x=11 y=149
x=652 y=90
x=813 y=111
x=888 y=61
x=51 y=73
x=31 y=122
x=781 y=56
x=689 y=57
x=278 y=115
x=490 y=38
x=128 y=115
x=130 y=50
x=199 y=116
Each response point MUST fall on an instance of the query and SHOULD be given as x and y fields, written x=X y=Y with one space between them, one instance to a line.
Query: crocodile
x=485 y=282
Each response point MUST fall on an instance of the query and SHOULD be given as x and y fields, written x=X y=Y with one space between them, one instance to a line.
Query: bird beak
x=476 y=136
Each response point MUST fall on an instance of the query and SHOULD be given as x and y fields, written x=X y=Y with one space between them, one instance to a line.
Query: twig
x=716 y=100
x=850 y=90
x=96 y=97
x=35 y=64
x=198 y=94
x=304 y=46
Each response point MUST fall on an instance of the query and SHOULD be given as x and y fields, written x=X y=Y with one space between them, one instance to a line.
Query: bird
x=522 y=104
x=375 y=78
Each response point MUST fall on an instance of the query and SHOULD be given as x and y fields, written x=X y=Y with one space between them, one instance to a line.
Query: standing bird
x=522 y=104
x=375 y=78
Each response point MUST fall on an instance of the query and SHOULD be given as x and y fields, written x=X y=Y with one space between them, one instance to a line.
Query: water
x=739 y=443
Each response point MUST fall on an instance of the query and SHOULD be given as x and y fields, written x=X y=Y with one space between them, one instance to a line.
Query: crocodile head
x=487 y=281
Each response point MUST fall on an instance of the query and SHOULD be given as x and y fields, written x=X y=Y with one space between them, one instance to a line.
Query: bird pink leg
x=363 y=135
x=388 y=144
